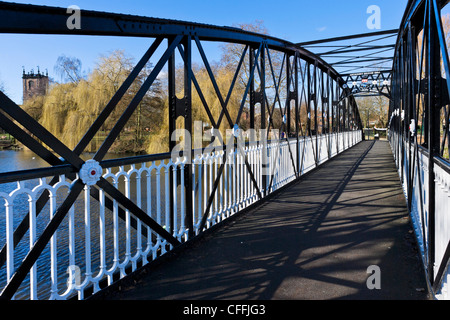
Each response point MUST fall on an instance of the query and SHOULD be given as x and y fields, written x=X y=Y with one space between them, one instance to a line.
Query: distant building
x=34 y=84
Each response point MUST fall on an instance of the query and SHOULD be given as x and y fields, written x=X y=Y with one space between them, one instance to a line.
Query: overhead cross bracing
x=363 y=60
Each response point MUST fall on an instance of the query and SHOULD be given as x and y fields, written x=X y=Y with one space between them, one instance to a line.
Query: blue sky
x=293 y=20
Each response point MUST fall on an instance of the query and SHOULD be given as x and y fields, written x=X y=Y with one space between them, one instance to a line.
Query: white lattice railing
x=97 y=244
x=420 y=200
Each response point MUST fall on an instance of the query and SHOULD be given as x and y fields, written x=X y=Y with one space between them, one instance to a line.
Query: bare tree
x=69 y=69
x=373 y=109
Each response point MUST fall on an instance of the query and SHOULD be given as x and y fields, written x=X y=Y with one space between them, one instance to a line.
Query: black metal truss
x=350 y=37
x=420 y=95
x=372 y=56
x=311 y=83
x=369 y=83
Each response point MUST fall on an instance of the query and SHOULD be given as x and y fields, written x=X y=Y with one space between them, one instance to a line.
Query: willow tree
x=69 y=109
x=224 y=72
x=158 y=141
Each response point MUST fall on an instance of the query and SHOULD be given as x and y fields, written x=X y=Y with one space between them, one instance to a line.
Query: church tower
x=34 y=84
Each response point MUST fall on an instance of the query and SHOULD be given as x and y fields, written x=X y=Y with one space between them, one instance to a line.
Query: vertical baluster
x=102 y=225
x=158 y=204
x=240 y=180
x=200 y=191
x=71 y=245
x=269 y=167
x=124 y=263
x=247 y=178
x=290 y=168
x=225 y=187
x=288 y=162
x=250 y=183
x=9 y=239
x=281 y=164
x=53 y=248
x=274 y=165
x=139 y=223
x=32 y=231
x=205 y=182
x=195 y=187
x=236 y=181
x=175 y=209
x=222 y=209
x=280 y=167
x=220 y=188
x=219 y=192
x=243 y=179
x=258 y=168
x=265 y=156
x=255 y=170
x=226 y=183
x=167 y=200
x=211 y=184
x=183 y=204
x=87 y=230
x=271 y=172
x=148 y=176
x=216 y=194
x=233 y=172
x=284 y=167
x=116 y=230
x=230 y=183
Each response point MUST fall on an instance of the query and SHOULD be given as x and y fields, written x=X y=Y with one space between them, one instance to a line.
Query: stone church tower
x=34 y=84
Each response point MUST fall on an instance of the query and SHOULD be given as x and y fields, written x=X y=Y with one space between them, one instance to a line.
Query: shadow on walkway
x=315 y=240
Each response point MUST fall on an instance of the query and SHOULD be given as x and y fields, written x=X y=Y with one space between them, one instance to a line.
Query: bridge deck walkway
x=314 y=240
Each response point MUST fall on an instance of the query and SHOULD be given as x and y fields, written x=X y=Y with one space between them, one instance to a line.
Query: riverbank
x=10 y=145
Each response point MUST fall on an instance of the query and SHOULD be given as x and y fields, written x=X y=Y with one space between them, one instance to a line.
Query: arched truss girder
x=322 y=85
x=419 y=126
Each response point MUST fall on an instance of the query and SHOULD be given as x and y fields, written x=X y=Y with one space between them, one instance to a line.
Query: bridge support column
x=265 y=168
x=181 y=108
x=433 y=104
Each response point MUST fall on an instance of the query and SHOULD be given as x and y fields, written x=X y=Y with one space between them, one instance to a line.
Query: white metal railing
x=95 y=245
x=419 y=209
x=442 y=181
